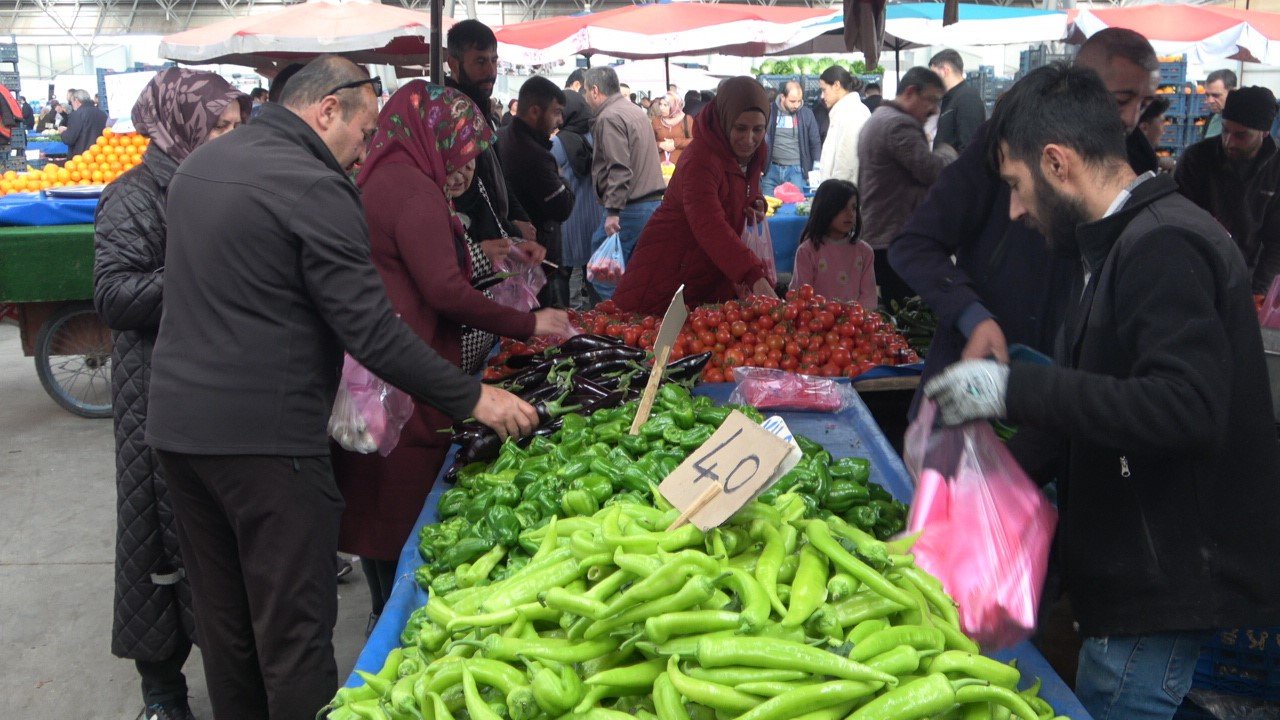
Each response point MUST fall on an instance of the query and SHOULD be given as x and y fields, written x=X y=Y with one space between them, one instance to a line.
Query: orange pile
x=107 y=159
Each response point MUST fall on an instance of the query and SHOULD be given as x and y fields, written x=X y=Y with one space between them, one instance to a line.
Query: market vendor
x=1167 y=483
x=422 y=155
x=695 y=236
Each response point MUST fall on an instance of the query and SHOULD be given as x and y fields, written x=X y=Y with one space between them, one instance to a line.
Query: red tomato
x=832 y=338
x=840 y=358
x=771 y=364
x=650 y=322
x=713 y=375
x=749 y=338
x=732 y=316
x=765 y=322
x=776 y=342
x=789 y=363
x=791 y=312
x=714 y=318
x=723 y=336
x=775 y=354
x=733 y=357
x=738 y=328
x=793 y=349
x=830 y=370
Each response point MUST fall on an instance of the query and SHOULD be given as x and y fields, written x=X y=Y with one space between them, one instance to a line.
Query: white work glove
x=970 y=390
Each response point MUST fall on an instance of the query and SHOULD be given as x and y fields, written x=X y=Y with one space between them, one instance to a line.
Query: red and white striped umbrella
x=363 y=30
x=1206 y=33
x=663 y=30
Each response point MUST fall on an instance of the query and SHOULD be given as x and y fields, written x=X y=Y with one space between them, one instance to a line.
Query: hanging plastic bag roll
x=985 y=528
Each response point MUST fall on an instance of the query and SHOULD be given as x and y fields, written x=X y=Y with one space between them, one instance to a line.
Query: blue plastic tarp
x=39 y=209
x=851 y=432
x=49 y=148
x=784 y=229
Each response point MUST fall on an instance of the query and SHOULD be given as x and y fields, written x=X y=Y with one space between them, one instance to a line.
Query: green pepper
x=508 y=495
x=598 y=486
x=852 y=468
x=452 y=502
x=634 y=444
x=714 y=415
x=573 y=421
x=862 y=516
x=579 y=502
x=684 y=417
x=465 y=551
x=528 y=515
x=636 y=478
x=504 y=526
x=654 y=427
x=673 y=396
x=574 y=468
x=844 y=494
x=602 y=466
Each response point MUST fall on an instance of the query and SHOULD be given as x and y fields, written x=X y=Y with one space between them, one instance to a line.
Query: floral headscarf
x=675 y=111
x=180 y=107
x=436 y=128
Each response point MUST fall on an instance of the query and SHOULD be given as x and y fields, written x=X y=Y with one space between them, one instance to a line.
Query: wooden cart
x=46 y=274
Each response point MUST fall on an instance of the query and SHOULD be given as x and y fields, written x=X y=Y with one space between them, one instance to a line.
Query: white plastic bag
x=607 y=263
x=368 y=413
x=758 y=240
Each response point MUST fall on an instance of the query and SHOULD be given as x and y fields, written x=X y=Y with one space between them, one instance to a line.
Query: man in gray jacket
x=896 y=169
x=625 y=166
x=257 y=313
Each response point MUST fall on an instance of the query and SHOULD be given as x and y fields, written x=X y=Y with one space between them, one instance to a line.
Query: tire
x=73 y=360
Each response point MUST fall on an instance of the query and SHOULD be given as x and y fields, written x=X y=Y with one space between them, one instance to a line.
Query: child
x=831 y=258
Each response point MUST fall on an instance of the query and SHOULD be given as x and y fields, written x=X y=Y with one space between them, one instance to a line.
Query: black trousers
x=258 y=537
x=162 y=680
x=892 y=286
x=381 y=577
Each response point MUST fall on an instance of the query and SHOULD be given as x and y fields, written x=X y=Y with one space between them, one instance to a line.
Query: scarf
x=180 y=107
x=675 y=111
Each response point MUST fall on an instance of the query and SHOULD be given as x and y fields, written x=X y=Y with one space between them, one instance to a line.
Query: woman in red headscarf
x=695 y=236
x=424 y=150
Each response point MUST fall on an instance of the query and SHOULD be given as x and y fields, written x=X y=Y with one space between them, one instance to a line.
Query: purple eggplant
x=587 y=343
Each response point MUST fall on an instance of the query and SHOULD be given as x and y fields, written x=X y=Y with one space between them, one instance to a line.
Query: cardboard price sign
x=668 y=331
x=730 y=468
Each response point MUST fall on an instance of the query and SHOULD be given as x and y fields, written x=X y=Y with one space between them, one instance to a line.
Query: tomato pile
x=804 y=333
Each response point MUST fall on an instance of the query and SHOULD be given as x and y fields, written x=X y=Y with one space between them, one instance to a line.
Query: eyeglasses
x=375 y=81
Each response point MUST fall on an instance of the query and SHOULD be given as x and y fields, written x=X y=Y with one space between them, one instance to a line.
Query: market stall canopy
x=1204 y=33
x=363 y=30
x=654 y=76
x=663 y=30
x=914 y=25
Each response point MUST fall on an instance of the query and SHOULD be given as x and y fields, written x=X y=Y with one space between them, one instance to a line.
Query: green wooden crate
x=39 y=264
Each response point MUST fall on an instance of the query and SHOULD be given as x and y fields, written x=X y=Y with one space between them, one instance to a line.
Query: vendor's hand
x=535 y=252
x=552 y=322
x=986 y=341
x=667 y=145
x=970 y=390
x=496 y=249
x=507 y=414
x=764 y=287
x=612 y=225
x=527 y=230
x=757 y=211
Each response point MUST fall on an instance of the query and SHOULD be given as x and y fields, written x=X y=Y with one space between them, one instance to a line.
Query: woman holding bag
x=422 y=154
x=695 y=237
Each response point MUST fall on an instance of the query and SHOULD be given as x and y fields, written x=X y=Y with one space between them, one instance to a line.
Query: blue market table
x=785 y=227
x=851 y=432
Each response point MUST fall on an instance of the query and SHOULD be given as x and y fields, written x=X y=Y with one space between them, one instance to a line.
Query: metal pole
x=437 y=42
x=666 y=62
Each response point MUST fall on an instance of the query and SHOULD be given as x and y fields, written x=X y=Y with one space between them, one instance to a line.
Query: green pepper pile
x=592 y=462
x=772 y=616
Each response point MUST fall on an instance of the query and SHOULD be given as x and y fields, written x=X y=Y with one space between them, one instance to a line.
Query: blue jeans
x=778 y=174
x=1142 y=677
x=633 y=218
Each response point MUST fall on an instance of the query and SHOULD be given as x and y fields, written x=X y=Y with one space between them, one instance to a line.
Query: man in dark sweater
x=246 y=365
x=524 y=146
x=962 y=109
x=1236 y=177
x=1004 y=285
x=85 y=123
x=1168 y=496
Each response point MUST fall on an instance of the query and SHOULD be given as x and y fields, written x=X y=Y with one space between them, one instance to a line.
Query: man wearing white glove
x=1169 y=493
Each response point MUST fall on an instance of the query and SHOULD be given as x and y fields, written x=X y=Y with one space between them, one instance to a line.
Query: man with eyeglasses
x=257 y=313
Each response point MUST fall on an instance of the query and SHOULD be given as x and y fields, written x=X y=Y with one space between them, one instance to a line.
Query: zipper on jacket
x=1124 y=467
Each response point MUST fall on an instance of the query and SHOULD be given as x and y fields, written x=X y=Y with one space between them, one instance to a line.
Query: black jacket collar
x=161 y=166
x=1097 y=238
x=286 y=122
x=522 y=127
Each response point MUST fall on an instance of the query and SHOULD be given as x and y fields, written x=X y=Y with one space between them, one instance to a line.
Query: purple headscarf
x=179 y=108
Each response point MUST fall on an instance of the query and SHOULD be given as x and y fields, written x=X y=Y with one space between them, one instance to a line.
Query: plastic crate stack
x=989 y=87
x=812 y=91
x=15 y=156
x=1186 y=116
x=1038 y=57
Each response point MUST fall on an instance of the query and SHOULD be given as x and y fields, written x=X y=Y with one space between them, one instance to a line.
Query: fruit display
x=774 y=615
x=107 y=159
x=804 y=333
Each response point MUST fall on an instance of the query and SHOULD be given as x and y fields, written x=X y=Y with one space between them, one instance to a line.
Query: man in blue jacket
x=794 y=144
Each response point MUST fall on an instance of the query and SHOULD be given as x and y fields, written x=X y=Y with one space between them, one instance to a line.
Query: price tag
x=730 y=468
x=668 y=331
x=778 y=427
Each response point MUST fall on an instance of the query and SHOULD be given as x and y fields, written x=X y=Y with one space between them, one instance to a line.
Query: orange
x=96 y=176
x=116 y=167
x=75 y=176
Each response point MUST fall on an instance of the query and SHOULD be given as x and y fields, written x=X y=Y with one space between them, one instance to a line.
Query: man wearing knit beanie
x=1236 y=177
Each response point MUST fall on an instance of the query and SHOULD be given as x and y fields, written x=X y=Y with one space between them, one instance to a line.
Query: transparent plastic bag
x=525 y=279
x=758 y=240
x=985 y=528
x=768 y=389
x=607 y=263
x=368 y=413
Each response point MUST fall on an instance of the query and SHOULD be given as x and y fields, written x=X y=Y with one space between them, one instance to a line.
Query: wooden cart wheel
x=73 y=360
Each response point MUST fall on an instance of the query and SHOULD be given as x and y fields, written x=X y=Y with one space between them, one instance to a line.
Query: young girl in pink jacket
x=831 y=258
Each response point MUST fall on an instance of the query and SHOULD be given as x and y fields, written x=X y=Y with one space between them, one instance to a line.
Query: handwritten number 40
x=740 y=472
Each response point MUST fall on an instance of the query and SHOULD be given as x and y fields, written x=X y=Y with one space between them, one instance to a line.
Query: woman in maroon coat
x=427 y=140
x=695 y=236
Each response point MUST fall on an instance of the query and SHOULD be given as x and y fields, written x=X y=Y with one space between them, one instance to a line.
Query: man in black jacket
x=85 y=123
x=490 y=205
x=246 y=365
x=1160 y=390
x=524 y=147
x=1004 y=286
x=962 y=109
x=1236 y=177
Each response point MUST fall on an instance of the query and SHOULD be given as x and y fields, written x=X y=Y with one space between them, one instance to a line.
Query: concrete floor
x=57 y=535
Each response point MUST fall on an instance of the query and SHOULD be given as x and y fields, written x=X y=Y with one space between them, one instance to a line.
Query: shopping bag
x=757 y=239
x=766 y=389
x=607 y=263
x=368 y=413
x=985 y=528
x=524 y=279
x=789 y=193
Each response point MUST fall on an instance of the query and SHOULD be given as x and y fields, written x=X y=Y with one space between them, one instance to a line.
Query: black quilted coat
x=152 y=599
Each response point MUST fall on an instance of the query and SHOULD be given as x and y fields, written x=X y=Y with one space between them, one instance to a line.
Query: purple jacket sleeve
x=952 y=216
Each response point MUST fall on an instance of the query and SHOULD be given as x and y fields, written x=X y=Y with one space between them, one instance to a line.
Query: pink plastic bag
x=520 y=290
x=767 y=389
x=788 y=193
x=985 y=528
x=368 y=413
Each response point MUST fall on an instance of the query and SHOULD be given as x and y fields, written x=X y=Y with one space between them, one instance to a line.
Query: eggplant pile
x=583 y=374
